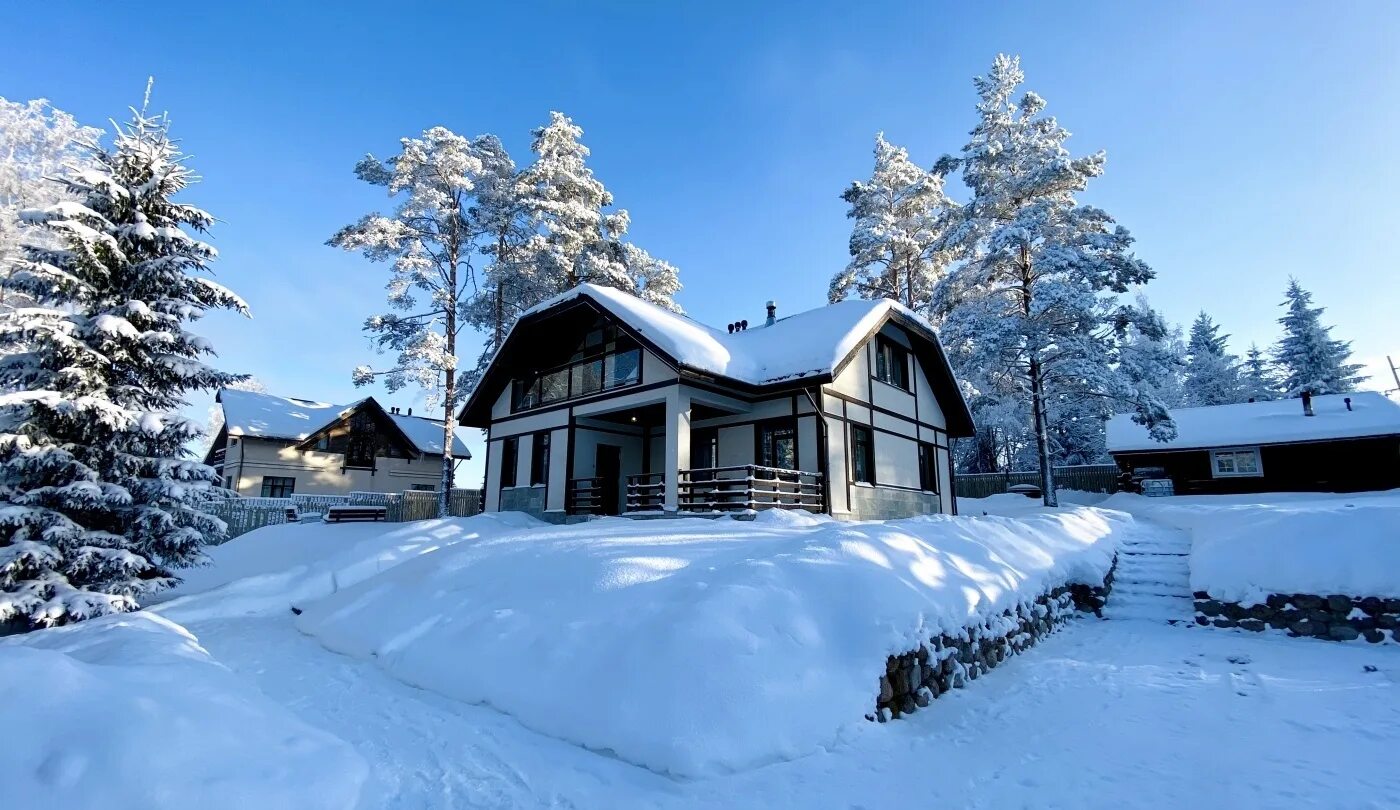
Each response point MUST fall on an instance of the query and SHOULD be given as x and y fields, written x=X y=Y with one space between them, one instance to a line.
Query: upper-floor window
x=605 y=359
x=891 y=363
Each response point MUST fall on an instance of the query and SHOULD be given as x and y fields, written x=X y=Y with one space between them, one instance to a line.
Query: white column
x=677 y=443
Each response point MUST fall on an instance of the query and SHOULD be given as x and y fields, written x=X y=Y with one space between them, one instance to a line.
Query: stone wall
x=1336 y=618
x=913 y=679
x=529 y=500
x=884 y=503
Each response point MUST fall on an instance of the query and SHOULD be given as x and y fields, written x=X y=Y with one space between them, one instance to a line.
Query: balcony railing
x=646 y=492
x=218 y=458
x=585 y=496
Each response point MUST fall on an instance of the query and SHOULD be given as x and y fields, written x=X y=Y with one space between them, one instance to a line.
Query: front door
x=777 y=444
x=607 y=466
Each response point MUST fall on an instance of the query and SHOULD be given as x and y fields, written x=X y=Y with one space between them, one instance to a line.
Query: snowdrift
x=695 y=647
x=1245 y=547
x=130 y=712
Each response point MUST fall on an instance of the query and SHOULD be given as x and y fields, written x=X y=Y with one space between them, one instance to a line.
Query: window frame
x=887 y=352
x=861 y=459
x=539 y=459
x=274 y=483
x=928 y=467
x=510 y=452
x=765 y=440
x=1233 y=453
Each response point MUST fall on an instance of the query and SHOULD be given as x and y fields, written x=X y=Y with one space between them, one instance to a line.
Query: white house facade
x=601 y=403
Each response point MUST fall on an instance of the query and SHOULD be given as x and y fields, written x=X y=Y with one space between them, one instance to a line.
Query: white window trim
x=1258 y=463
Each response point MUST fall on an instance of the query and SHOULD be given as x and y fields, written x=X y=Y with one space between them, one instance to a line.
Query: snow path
x=1152 y=580
x=1105 y=713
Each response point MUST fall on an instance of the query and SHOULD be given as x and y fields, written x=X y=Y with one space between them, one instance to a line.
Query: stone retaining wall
x=913 y=679
x=1336 y=618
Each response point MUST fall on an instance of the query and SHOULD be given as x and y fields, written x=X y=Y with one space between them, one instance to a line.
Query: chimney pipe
x=731 y=329
x=744 y=324
x=772 y=313
x=1307 y=404
x=1347 y=400
x=410 y=411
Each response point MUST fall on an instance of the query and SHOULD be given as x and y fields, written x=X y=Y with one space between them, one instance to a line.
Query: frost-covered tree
x=1037 y=297
x=1307 y=356
x=897 y=238
x=1258 y=382
x=37 y=142
x=1152 y=355
x=430 y=241
x=653 y=279
x=1212 y=373
x=99 y=502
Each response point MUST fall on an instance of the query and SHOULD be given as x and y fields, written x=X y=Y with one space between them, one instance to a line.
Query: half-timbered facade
x=601 y=403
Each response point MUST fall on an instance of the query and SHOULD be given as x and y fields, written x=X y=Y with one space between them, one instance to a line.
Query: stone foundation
x=1335 y=618
x=913 y=679
x=529 y=500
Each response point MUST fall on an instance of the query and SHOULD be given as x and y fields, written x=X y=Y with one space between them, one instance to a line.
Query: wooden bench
x=338 y=514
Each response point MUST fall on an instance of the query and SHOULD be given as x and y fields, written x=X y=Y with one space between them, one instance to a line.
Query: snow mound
x=276 y=567
x=1244 y=547
x=696 y=647
x=130 y=712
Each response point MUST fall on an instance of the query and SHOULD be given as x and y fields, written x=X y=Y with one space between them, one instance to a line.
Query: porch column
x=677 y=444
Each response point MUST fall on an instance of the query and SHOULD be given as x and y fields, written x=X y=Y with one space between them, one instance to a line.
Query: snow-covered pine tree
x=1037 y=297
x=1212 y=373
x=98 y=499
x=1152 y=355
x=430 y=241
x=1258 y=383
x=654 y=280
x=37 y=142
x=1307 y=356
x=897 y=237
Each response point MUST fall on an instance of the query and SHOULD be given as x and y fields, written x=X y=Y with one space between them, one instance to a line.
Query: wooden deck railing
x=585 y=496
x=749 y=487
x=646 y=492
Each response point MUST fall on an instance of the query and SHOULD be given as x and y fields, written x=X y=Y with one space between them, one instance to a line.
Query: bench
x=338 y=514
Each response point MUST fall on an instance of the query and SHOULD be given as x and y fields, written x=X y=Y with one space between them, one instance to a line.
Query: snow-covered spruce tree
x=430 y=241
x=896 y=241
x=37 y=142
x=1307 y=356
x=98 y=499
x=1152 y=355
x=1258 y=383
x=1212 y=373
x=1037 y=297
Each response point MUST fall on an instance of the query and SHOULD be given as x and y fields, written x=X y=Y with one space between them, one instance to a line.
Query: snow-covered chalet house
x=274 y=447
x=1331 y=443
x=601 y=403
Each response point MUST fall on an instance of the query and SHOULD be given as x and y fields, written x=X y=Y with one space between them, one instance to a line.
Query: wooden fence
x=243 y=515
x=1084 y=477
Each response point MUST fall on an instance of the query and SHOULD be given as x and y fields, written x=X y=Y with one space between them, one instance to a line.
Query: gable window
x=891 y=363
x=539 y=460
x=1238 y=462
x=777 y=444
x=510 y=453
x=277 y=487
x=862 y=455
x=605 y=359
x=361 y=443
x=928 y=467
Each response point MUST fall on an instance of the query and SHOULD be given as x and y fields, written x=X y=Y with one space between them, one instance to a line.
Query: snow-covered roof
x=1276 y=422
x=267 y=416
x=802 y=345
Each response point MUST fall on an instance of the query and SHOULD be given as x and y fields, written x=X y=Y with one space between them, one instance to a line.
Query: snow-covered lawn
x=1118 y=713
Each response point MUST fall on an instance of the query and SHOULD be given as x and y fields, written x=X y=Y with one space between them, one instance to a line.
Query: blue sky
x=1246 y=141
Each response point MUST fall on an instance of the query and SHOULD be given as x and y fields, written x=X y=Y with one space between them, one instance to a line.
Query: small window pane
x=588 y=378
x=623 y=368
x=554 y=386
x=1246 y=462
x=1225 y=462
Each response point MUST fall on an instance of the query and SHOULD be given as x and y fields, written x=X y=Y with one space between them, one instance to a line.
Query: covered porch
x=687 y=452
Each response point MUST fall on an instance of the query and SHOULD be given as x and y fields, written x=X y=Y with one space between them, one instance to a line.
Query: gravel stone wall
x=1336 y=617
x=914 y=679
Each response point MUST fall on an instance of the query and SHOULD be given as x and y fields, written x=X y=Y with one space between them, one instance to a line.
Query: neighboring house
x=601 y=403
x=273 y=447
x=1332 y=443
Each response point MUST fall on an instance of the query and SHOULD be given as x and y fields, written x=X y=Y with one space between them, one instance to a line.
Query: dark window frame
x=892 y=364
x=762 y=443
x=928 y=467
x=510 y=461
x=862 y=454
x=539 y=458
x=278 y=486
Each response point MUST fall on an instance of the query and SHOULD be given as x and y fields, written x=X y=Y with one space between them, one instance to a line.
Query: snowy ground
x=1123 y=712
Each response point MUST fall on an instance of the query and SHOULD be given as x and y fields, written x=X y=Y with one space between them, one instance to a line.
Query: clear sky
x=1247 y=141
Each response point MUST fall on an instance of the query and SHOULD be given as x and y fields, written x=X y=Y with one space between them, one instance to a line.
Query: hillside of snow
x=699 y=646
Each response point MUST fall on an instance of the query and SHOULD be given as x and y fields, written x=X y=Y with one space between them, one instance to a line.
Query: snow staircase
x=1153 y=578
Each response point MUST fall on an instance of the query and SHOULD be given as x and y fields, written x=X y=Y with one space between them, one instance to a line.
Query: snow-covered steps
x=1153 y=578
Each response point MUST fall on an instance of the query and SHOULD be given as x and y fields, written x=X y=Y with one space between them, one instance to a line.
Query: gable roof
x=266 y=416
x=1255 y=423
x=807 y=348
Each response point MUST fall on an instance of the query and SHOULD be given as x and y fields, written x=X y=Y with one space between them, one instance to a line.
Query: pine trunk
x=449 y=388
x=1038 y=414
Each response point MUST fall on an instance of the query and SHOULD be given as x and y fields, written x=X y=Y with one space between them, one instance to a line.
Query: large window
x=777 y=444
x=862 y=455
x=891 y=363
x=278 y=487
x=928 y=467
x=539 y=460
x=605 y=372
x=510 y=455
x=1241 y=462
